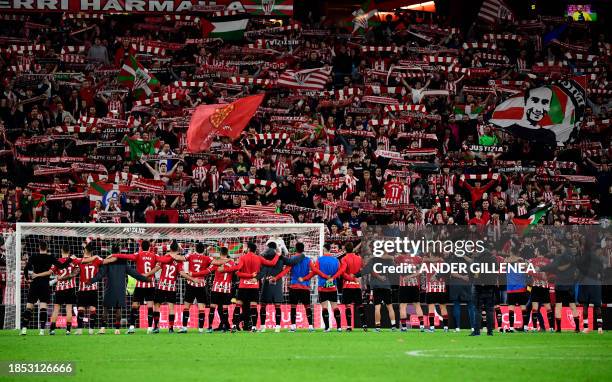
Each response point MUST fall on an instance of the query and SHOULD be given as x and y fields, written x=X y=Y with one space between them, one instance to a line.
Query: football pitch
x=356 y=356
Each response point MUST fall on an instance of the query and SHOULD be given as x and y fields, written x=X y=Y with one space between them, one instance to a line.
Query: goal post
x=25 y=239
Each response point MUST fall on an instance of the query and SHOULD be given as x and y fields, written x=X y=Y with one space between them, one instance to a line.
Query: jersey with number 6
x=87 y=272
x=197 y=263
x=145 y=262
x=170 y=269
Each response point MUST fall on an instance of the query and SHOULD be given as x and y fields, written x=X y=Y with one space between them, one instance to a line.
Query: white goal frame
x=20 y=226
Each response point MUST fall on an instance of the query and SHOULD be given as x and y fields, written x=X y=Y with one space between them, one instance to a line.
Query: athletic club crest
x=217 y=118
x=267 y=6
x=301 y=77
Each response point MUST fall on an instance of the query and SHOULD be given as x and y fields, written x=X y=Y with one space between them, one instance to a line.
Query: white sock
x=392 y=322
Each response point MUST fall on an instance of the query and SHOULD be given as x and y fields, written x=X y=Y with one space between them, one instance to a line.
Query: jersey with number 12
x=170 y=269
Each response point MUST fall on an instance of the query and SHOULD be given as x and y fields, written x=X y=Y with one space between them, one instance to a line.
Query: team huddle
x=255 y=280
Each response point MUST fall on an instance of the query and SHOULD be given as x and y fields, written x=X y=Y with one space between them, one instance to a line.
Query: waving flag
x=309 y=79
x=531 y=218
x=362 y=19
x=133 y=75
x=493 y=11
x=228 y=120
x=103 y=192
x=226 y=28
x=135 y=148
x=547 y=114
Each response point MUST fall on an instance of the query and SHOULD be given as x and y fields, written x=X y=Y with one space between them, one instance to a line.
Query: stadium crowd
x=339 y=156
x=77 y=145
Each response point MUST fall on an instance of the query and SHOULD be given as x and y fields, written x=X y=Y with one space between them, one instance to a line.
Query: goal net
x=24 y=241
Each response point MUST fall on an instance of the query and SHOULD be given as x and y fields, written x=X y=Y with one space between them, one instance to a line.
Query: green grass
x=353 y=356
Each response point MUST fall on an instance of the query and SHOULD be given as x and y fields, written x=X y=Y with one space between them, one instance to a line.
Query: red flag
x=228 y=120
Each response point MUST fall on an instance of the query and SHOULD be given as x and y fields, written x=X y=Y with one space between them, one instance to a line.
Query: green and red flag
x=227 y=28
x=38 y=200
x=531 y=218
x=134 y=76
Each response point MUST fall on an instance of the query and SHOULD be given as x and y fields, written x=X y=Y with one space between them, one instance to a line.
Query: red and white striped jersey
x=170 y=269
x=116 y=106
x=64 y=284
x=214 y=180
x=521 y=210
x=396 y=192
x=282 y=168
x=329 y=211
x=385 y=142
x=451 y=86
x=409 y=279
x=540 y=279
x=222 y=282
x=549 y=196
x=197 y=263
x=435 y=283
x=351 y=185
x=258 y=162
x=145 y=262
x=87 y=272
x=199 y=172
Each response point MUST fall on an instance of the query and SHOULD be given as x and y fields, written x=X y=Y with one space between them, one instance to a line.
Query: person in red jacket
x=247 y=269
x=351 y=287
x=477 y=190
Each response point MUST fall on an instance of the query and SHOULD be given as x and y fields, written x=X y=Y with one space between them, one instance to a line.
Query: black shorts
x=352 y=296
x=517 y=298
x=540 y=295
x=39 y=291
x=220 y=299
x=498 y=297
x=299 y=296
x=196 y=293
x=328 y=296
x=382 y=295
x=142 y=295
x=437 y=297
x=459 y=293
x=165 y=296
x=271 y=294
x=65 y=297
x=409 y=294
x=248 y=295
x=565 y=296
x=590 y=294
x=87 y=298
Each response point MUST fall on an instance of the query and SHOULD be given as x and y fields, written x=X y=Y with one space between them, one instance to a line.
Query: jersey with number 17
x=87 y=271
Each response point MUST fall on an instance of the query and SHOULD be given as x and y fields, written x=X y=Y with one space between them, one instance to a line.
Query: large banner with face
x=254 y=7
x=546 y=114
